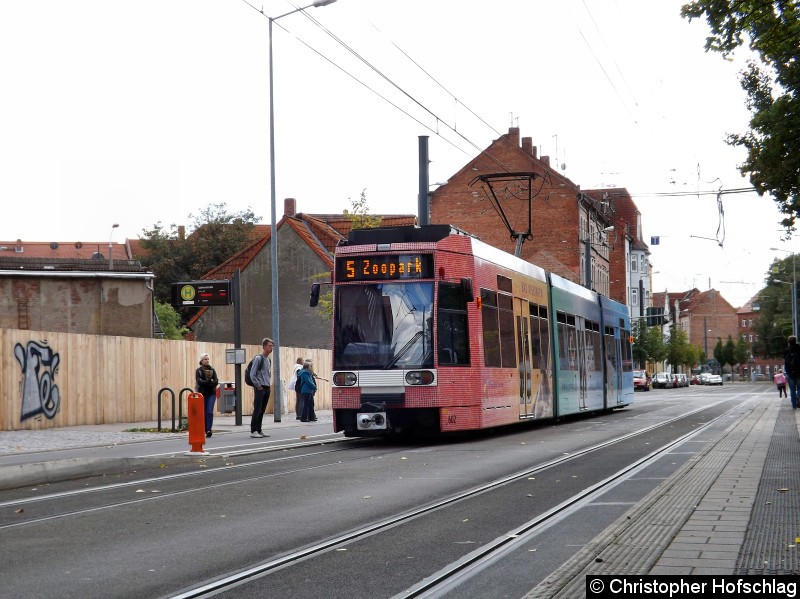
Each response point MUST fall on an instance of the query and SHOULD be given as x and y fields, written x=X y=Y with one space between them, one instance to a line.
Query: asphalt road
x=125 y=536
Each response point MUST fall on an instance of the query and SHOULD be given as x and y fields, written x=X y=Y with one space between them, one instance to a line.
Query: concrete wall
x=91 y=305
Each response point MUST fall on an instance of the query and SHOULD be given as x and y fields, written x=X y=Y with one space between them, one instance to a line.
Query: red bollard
x=197 y=424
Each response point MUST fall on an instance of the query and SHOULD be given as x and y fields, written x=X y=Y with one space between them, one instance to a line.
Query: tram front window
x=383 y=326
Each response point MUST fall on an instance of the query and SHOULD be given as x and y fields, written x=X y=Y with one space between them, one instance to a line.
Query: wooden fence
x=50 y=380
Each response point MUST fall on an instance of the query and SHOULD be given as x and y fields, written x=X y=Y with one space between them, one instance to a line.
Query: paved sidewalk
x=32 y=457
x=724 y=512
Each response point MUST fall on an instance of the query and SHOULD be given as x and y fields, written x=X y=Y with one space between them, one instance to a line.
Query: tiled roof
x=73 y=250
x=13 y=263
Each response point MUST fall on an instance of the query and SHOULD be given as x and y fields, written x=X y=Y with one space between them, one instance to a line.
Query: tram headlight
x=345 y=379
x=419 y=377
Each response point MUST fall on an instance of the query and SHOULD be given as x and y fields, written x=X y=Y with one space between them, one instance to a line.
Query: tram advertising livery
x=436 y=331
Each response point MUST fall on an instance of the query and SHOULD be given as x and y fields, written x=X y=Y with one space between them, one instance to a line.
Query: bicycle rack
x=172 y=393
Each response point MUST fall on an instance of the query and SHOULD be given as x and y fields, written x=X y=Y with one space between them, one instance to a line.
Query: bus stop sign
x=201 y=293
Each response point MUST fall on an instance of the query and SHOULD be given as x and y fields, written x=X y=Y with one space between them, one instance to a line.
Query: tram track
x=449 y=577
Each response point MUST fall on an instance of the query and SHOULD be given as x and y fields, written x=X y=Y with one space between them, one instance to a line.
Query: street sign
x=201 y=293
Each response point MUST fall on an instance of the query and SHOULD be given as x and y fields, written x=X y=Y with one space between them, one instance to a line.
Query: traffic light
x=655 y=317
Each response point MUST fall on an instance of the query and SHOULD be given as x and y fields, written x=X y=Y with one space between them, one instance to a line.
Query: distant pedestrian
x=293 y=386
x=780 y=381
x=206 y=383
x=791 y=366
x=308 y=387
x=261 y=373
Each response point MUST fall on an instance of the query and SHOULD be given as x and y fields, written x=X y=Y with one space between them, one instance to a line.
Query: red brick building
x=705 y=316
x=562 y=218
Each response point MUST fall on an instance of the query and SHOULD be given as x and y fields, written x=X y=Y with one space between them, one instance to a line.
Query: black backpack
x=247 y=379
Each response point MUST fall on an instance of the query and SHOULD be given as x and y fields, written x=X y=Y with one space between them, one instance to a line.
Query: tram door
x=580 y=332
x=521 y=314
x=613 y=367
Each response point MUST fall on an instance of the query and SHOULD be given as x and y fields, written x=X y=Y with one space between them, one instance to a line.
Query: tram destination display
x=386 y=267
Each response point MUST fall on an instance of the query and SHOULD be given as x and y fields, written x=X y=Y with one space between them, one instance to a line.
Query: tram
x=435 y=331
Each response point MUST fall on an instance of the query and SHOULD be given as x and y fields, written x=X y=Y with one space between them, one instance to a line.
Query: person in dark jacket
x=791 y=366
x=206 y=383
x=308 y=387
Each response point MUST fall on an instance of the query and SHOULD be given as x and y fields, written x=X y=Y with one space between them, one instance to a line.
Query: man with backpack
x=791 y=367
x=261 y=375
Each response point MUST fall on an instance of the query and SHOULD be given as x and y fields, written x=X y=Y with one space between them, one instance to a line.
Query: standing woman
x=206 y=383
x=308 y=387
x=298 y=397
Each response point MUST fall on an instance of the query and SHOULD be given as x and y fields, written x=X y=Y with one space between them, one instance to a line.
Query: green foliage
x=216 y=236
x=679 y=350
x=325 y=305
x=359 y=213
x=170 y=321
x=774 y=322
x=772 y=30
x=741 y=353
x=648 y=344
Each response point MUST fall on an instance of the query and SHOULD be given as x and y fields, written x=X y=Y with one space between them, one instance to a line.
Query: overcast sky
x=137 y=113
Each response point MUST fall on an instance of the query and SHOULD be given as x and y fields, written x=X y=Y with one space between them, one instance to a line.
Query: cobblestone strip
x=636 y=541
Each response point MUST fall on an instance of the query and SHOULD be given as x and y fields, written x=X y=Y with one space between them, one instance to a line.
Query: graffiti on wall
x=39 y=365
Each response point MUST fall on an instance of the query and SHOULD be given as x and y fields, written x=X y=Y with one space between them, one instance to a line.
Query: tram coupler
x=197 y=426
x=372 y=421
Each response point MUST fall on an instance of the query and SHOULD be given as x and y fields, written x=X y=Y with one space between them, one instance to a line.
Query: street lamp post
x=276 y=360
x=794 y=288
x=110 y=253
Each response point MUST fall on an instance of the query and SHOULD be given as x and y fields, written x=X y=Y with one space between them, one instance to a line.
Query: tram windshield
x=383 y=326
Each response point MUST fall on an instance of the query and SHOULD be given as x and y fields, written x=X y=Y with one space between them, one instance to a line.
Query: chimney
x=513 y=135
x=181 y=232
x=546 y=160
x=527 y=146
x=18 y=246
x=289 y=207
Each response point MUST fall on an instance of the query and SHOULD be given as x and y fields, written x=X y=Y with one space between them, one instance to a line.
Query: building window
x=634 y=297
x=750 y=338
x=744 y=323
x=643 y=265
x=634 y=264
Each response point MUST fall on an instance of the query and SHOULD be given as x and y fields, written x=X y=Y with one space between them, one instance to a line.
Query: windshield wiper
x=409 y=344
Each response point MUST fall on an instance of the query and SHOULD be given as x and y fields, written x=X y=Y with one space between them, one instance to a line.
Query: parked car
x=641 y=380
x=704 y=378
x=695 y=380
x=662 y=380
x=714 y=379
x=683 y=380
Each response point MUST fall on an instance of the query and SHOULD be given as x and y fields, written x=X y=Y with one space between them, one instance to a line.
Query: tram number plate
x=451 y=419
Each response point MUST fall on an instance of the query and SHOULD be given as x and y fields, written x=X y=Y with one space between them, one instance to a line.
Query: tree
x=774 y=323
x=360 y=219
x=648 y=344
x=772 y=30
x=170 y=321
x=729 y=353
x=741 y=353
x=359 y=213
x=678 y=347
x=216 y=236
x=719 y=351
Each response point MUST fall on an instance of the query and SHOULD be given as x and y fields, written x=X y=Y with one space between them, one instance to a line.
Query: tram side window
x=453 y=346
x=567 y=342
x=508 y=348
x=536 y=337
x=593 y=353
x=627 y=351
x=491 y=328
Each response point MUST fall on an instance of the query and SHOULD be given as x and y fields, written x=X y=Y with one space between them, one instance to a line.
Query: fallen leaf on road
x=19 y=511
